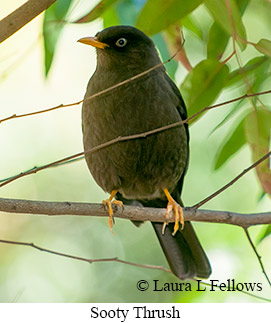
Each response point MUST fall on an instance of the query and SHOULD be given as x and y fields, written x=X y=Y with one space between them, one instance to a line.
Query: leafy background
x=43 y=66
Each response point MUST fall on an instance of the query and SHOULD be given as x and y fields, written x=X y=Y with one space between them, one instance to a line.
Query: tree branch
x=130 y=212
x=21 y=16
x=114 y=259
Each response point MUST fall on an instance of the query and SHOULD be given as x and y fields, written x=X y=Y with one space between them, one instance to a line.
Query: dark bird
x=147 y=171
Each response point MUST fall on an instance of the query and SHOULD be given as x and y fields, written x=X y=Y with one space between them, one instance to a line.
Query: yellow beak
x=93 y=42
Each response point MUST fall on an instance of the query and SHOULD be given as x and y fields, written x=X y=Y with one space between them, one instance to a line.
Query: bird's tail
x=183 y=251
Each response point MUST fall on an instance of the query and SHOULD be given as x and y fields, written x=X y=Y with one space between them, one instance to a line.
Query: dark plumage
x=140 y=169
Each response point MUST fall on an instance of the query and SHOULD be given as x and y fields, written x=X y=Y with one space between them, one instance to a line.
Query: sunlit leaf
x=219 y=11
x=158 y=15
x=53 y=23
x=258 y=132
x=97 y=11
x=234 y=142
x=191 y=24
x=203 y=84
x=242 y=5
x=264 y=234
x=264 y=46
x=217 y=41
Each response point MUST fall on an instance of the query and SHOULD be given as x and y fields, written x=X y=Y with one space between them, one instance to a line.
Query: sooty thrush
x=147 y=170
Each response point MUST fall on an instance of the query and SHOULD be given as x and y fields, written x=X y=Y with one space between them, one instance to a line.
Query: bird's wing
x=183 y=113
x=183 y=251
x=181 y=107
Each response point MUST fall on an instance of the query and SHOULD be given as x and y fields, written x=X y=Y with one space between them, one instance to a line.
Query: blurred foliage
x=203 y=85
x=156 y=16
x=211 y=75
x=228 y=18
x=53 y=23
x=222 y=140
x=265 y=233
x=97 y=11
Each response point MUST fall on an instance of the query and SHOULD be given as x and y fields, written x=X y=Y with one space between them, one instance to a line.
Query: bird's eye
x=121 y=42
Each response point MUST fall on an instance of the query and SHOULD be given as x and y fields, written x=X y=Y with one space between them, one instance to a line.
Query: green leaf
x=242 y=5
x=261 y=196
x=265 y=234
x=258 y=132
x=203 y=84
x=251 y=66
x=158 y=15
x=217 y=41
x=110 y=17
x=235 y=108
x=218 y=37
x=264 y=46
x=97 y=11
x=234 y=142
x=261 y=76
x=53 y=24
x=257 y=72
x=219 y=11
x=191 y=24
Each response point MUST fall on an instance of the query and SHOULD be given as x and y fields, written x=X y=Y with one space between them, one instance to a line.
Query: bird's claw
x=108 y=203
x=178 y=213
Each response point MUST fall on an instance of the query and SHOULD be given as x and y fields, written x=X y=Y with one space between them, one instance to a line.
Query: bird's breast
x=138 y=168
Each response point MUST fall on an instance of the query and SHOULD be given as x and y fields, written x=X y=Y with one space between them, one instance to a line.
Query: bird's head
x=124 y=46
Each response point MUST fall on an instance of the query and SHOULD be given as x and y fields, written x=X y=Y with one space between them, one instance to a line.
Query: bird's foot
x=108 y=203
x=178 y=213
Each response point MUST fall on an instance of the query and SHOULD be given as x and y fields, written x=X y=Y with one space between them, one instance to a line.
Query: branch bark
x=130 y=212
x=21 y=16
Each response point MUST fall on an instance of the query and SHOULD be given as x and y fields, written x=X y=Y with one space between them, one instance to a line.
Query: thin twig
x=126 y=138
x=90 y=261
x=114 y=259
x=257 y=255
x=227 y=102
x=16 y=116
x=91 y=97
x=35 y=167
x=207 y=199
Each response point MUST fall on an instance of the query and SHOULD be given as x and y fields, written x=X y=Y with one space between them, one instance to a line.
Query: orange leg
x=178 y=213
x=108 y=202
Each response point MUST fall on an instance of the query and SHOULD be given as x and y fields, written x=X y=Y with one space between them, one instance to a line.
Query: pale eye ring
x=121 y=42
